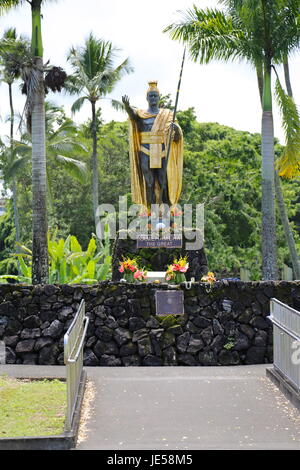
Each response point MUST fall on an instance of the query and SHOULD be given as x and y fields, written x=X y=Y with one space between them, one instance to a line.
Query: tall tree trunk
x=14 y=185
x=39 y=179
x=269 y=248
x=287 y=228
x=280 y=200
x=95 y=163
x=39 y=186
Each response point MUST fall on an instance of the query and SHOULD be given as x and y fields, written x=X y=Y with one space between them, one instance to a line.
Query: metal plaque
x=169 y=302
x=153 y=240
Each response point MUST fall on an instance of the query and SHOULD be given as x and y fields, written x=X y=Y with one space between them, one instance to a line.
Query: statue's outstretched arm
x=130 y=111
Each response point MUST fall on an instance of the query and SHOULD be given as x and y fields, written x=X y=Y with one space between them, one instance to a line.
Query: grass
x=31 y=407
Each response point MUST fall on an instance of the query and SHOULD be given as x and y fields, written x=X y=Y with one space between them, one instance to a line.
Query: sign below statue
x=169 y=302
x=152 y=240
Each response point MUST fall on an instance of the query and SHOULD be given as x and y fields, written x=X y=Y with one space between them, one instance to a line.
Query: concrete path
x=185 y=408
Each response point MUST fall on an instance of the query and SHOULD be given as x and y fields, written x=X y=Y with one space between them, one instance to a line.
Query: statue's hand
x=125 y=100
x=176 y=131
x=130 y=111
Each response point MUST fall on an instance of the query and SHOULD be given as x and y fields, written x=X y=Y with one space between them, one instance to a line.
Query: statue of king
x=156 y=152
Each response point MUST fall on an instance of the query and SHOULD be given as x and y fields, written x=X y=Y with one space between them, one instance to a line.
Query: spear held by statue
x=172 y=127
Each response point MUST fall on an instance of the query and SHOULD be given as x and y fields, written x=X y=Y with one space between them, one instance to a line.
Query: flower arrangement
x=176 y=212
x=145 y=213
x=140 y=275
x=176 y=271
x=209 y=277
x=131 y=271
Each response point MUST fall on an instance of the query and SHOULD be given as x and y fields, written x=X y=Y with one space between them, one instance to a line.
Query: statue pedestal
x=158 y=259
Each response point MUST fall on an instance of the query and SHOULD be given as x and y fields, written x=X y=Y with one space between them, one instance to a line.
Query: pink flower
x=140 y=275
x=176 y=267
x=121 y=268
x=183 y=269
x=132 y=268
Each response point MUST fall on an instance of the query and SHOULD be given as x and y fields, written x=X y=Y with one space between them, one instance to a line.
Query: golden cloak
x=162 y=123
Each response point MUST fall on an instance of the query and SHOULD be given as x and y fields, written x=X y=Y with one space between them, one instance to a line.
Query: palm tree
x=61 y=145
x=94 y=77
x=11 y=61
x=35 y=108
x=260 y=32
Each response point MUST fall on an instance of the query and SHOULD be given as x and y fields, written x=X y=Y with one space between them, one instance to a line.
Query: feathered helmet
x=153 y=87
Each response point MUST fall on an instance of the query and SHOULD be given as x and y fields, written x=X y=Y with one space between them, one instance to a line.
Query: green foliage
x=114 y=162
x=8 y=263
x=167 y=321
x=69 y=263
x=222 y=170
x=13 y=59
x=230 y=343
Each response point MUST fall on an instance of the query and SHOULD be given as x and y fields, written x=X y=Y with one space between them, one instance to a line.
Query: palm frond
x=77 y=105
x=288 y=164
x=123 y=69
x=6 y=46
x=31 y=76
x=21 y=148
x=6 y=5
x=66 y=146
x=76 y=168
x=17 y=166
x=209 y=34
x=67 y=128
x=10 y=33
x=73 y=85
x=117 y=105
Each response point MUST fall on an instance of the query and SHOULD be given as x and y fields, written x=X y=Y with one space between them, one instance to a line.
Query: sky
x=224 y=93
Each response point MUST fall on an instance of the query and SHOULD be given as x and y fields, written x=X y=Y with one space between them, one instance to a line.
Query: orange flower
x=128 y=265
x=210 y=277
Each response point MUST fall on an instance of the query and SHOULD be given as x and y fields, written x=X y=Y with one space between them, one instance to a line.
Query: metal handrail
x=287 y=307
x=86 y=323
x=286 y=332
x=73 y=359
x=283 y=328
x=71 y=327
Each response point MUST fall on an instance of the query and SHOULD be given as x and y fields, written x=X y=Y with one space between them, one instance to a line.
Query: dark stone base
x=223 y=324
x=158 y=259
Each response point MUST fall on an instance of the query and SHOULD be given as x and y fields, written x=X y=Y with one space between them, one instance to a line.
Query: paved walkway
x=184 y=408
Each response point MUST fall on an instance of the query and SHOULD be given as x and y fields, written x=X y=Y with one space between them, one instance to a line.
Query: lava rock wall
x=226 y=324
